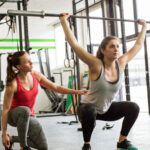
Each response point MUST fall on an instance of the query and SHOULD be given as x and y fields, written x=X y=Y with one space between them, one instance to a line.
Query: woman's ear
x=102 y=51
x=15 y=69
x=18 y=67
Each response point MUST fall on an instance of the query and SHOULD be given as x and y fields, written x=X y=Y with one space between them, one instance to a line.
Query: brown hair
x=13 y=60
x=103 y=45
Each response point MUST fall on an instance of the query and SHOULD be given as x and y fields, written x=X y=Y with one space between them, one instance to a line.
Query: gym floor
x=66 y=137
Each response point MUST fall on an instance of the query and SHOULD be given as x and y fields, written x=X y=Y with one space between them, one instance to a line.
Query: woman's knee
x=87 y=111
x=24 y=111
x=43 y=146
x=19 y=112
x=134 y=108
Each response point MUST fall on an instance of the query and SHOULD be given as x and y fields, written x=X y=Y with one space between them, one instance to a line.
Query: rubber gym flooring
x=66 y=137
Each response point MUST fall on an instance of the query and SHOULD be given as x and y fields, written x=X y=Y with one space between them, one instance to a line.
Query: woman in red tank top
x=19 y=99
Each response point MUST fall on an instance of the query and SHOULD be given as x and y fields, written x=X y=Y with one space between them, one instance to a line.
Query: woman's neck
x=23 y=75
x=109 y=63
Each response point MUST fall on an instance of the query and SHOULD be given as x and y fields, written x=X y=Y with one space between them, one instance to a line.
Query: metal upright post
x=26 y=32
x=147 y=72
x=111 y=15
x=103 y=15
x=77 y=59
x=20 y=27
x=88 y=26
x=0 y=94
x=48 y=63
x=127 y=83
x=135 y=15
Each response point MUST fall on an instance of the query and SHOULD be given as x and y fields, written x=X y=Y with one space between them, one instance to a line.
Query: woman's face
x=111 y=50
x=25 y=63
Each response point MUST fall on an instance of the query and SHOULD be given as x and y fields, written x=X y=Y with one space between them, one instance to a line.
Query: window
x=128 y=14
x=97 y=31
x=143 y=9
x=138 y=79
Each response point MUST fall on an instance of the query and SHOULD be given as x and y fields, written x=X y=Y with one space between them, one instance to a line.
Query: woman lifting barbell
x=105 y=73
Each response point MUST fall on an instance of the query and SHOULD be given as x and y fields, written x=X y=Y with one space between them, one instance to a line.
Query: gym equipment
x=107 y=126
x=68 y=63
x=71 y=100
x=10 y=0
x=43 y=14
x=53 y=97
x=56 y=100
x=2 y=16
x=1 y=86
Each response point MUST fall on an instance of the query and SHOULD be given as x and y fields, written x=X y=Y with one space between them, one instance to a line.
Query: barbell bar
x=43 y=14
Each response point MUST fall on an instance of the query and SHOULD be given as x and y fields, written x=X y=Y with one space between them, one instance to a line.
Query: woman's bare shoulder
x=12 y=85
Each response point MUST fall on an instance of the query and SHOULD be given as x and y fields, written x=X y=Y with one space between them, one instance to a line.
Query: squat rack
x=43 y=14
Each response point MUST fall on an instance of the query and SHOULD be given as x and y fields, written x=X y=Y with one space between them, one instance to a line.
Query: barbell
x=43 y=14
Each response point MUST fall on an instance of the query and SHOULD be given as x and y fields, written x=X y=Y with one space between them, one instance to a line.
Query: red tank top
x=25 y=97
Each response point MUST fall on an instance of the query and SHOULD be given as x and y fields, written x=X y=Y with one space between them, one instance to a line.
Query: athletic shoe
x=86 y=147
x=26 y=148
x=125 y=145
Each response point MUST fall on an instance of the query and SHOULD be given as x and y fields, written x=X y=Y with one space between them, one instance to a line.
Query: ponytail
x=12 y=61
x=99 y=54
x=10 y=71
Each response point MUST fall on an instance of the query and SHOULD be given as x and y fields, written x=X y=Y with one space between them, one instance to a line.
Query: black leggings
x=88 y=116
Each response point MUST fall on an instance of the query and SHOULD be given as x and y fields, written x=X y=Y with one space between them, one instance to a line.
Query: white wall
x=39 y=28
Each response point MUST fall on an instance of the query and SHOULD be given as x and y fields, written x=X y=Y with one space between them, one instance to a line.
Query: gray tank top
x=102 y=92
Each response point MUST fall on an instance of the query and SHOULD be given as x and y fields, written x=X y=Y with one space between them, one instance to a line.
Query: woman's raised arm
x=86 y=57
